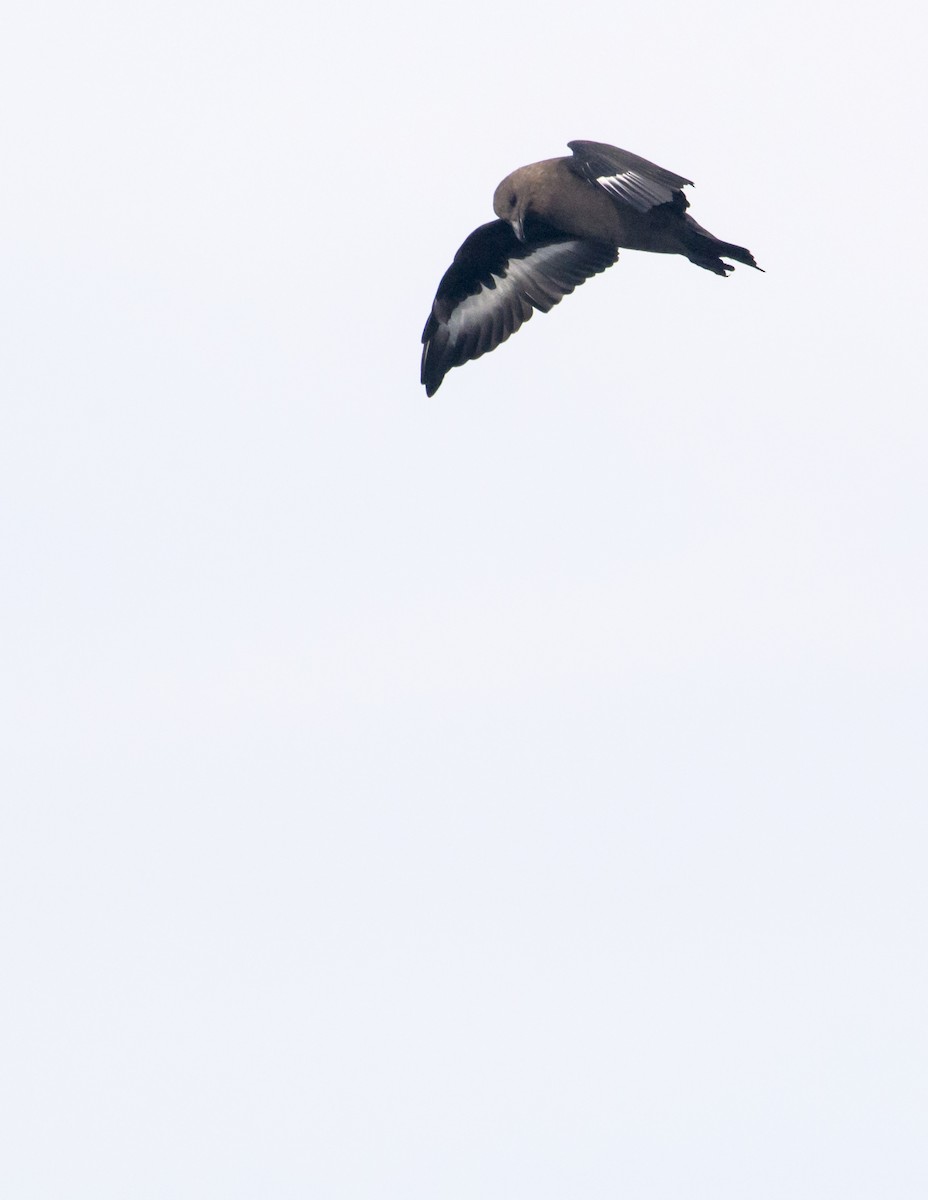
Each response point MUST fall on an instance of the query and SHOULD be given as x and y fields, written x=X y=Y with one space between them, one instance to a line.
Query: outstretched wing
x=495 y=284
x=627 y=177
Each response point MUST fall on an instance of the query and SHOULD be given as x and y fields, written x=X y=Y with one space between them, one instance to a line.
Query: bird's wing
x=494 y=285
x=627 y=177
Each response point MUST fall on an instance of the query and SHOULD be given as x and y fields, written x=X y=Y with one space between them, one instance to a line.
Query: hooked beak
x=518 y=227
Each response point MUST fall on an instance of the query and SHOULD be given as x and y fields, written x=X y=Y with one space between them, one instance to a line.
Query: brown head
x=550 y=191
x=510 y=203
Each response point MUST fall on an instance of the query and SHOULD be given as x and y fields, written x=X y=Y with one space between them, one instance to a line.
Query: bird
x=559 y=222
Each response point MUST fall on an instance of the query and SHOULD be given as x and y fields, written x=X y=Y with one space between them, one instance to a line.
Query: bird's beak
x=518 y=227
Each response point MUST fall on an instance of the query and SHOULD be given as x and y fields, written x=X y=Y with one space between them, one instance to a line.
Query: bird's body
x=571 y=204
x=560 y=221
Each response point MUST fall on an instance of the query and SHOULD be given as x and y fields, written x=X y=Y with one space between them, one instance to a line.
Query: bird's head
x=510 y=205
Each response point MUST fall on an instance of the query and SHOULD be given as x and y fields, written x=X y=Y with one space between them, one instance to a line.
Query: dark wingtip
x=429 y=377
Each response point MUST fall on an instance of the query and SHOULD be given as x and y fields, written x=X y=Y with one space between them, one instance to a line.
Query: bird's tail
x=705 y=250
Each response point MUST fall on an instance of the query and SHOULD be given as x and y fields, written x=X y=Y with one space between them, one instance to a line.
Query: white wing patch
x=635 y=189
x=524 y=280
x=474 y=310
x=511 y=281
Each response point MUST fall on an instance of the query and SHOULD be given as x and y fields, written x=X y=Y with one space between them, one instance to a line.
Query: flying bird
x=561 y=221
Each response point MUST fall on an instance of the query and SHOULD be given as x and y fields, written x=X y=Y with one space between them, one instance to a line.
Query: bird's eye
x=512 y=200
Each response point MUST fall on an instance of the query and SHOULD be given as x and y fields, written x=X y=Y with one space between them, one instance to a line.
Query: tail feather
x=706 y=250
x=739 y=253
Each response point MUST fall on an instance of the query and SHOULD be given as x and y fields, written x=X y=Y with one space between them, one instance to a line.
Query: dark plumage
x=560 y=221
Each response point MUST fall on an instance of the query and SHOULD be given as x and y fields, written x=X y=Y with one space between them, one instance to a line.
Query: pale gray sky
x=520 y=793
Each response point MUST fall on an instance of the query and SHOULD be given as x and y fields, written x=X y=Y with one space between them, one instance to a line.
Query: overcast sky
x=518 y=793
